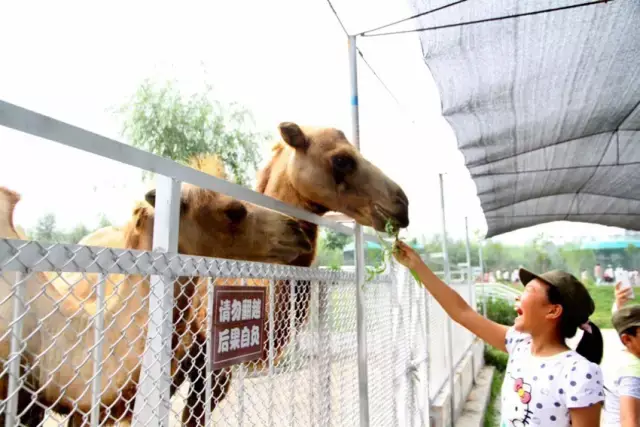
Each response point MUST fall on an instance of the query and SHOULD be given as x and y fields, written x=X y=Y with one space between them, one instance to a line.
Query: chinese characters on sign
x=238 y=324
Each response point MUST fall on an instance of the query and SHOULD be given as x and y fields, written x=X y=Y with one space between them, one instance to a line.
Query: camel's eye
x=342 y=165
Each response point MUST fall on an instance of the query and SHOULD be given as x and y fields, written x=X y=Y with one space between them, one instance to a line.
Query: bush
x=500 y=311
x=495 y=357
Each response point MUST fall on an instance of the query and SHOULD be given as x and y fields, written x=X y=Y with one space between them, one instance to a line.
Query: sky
x=286 y=60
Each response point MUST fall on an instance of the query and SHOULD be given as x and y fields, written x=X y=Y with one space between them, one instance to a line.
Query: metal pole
x=209 y=352
x=470 y=280
x=447 y=278
x=153 y=403
x=484 y=301
x=15 y=379
x=98 y=328
x=359 y=252
x=471 y=284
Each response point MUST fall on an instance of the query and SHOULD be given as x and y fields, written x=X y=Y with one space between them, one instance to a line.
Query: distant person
x=622 y=402
x=597 y=273
x=608 y=274
x=546 y=383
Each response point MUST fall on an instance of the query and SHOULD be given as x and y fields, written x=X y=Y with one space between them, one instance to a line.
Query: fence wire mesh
x=74 y=322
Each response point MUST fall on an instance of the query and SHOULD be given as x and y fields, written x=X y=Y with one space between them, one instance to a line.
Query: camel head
x=329 y=174
x=216 y=225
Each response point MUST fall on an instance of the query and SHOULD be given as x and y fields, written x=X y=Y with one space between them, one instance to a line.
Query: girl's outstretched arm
x=456 y=307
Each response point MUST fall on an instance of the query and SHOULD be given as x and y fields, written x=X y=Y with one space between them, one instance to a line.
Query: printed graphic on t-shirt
x=522 y=411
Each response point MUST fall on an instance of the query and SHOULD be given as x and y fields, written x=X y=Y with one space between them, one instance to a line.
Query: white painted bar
x=361 y=325
x=98 y=344
x=15 y=381
x=447 y=275
x=27 y=121
x=153 y=402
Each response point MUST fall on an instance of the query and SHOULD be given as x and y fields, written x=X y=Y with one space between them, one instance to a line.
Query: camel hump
x=8 y=201
x=210 y=164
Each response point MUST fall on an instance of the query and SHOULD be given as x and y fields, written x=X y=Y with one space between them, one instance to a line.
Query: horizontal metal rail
x=27 y=121
x=27 y=256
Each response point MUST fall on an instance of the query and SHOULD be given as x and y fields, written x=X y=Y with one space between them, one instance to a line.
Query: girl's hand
x=405 y=255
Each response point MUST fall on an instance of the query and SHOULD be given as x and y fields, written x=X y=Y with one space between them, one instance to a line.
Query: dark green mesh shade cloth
x=545 y=107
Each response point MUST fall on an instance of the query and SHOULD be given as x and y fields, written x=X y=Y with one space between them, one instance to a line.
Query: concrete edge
x=475 y=407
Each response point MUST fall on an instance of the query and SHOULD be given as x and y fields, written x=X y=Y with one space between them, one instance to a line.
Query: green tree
x=76 y=234
x=46 y=229
x=334 y=240
x=161 y=120
x=104 y=221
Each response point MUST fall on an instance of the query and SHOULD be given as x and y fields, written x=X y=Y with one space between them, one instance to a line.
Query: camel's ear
x=150 y=197
x=293 y=135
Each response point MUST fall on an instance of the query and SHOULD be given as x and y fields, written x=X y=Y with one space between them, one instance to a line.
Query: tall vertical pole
x=471 y=284
x=153 y=403
x=480 y=257
x=447 y=278
x=470 y=280
x=359 y=258
x=12 y=417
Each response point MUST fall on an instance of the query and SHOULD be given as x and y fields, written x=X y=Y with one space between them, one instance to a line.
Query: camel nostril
x=402 y=217
x=402 y=198
x=236 y=212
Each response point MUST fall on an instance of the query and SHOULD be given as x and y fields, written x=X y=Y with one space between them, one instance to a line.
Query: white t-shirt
x=625 y=382
x=539 y=391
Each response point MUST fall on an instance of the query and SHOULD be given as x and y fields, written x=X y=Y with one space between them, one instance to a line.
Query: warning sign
x=238 y=324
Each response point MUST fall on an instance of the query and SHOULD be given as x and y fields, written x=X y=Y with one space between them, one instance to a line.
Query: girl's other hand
x=405 y=255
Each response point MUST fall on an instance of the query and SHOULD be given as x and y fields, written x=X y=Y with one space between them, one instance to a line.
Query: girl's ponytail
x=591 y=345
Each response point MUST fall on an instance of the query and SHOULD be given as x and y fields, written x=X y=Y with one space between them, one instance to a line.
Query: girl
x=546 y=383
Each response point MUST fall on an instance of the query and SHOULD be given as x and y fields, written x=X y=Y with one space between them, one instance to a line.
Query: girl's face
x=534 y=309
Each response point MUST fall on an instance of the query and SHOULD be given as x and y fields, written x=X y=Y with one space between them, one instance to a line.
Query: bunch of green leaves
x=387 y=250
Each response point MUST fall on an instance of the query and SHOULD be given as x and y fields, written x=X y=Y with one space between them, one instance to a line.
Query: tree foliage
x=336 y=241
x=47 y=230
x=540 y=254
x=161 y=120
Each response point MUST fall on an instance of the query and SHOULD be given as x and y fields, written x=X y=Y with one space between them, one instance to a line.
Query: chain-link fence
x=66 y=307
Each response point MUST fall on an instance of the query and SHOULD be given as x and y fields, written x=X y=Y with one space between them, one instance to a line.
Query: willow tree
x=160 y=119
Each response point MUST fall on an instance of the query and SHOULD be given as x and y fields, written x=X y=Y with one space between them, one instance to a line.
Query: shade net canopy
x=545 y=107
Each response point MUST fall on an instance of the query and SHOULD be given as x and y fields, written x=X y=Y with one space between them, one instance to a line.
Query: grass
x=498 y=359
x=604 y=297
x=491 y=417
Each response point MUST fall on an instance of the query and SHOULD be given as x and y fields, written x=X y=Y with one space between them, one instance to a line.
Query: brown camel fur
x=58 y=352
x=319 y=170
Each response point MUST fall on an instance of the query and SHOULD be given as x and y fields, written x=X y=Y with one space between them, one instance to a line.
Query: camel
x=58 y=350
x=318 y=170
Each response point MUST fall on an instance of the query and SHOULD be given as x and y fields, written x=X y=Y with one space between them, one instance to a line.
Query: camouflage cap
x=625 y=318
x=576 y=302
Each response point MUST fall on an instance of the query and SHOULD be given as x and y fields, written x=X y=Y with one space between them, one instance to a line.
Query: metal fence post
x=484 y=300
x=15 y=379
x=359 y=252
x=447 y=278
x=153 y=403
x=471 y=284
x=98 y=324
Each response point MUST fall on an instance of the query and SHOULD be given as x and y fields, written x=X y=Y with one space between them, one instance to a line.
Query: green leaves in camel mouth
x=392 y=230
